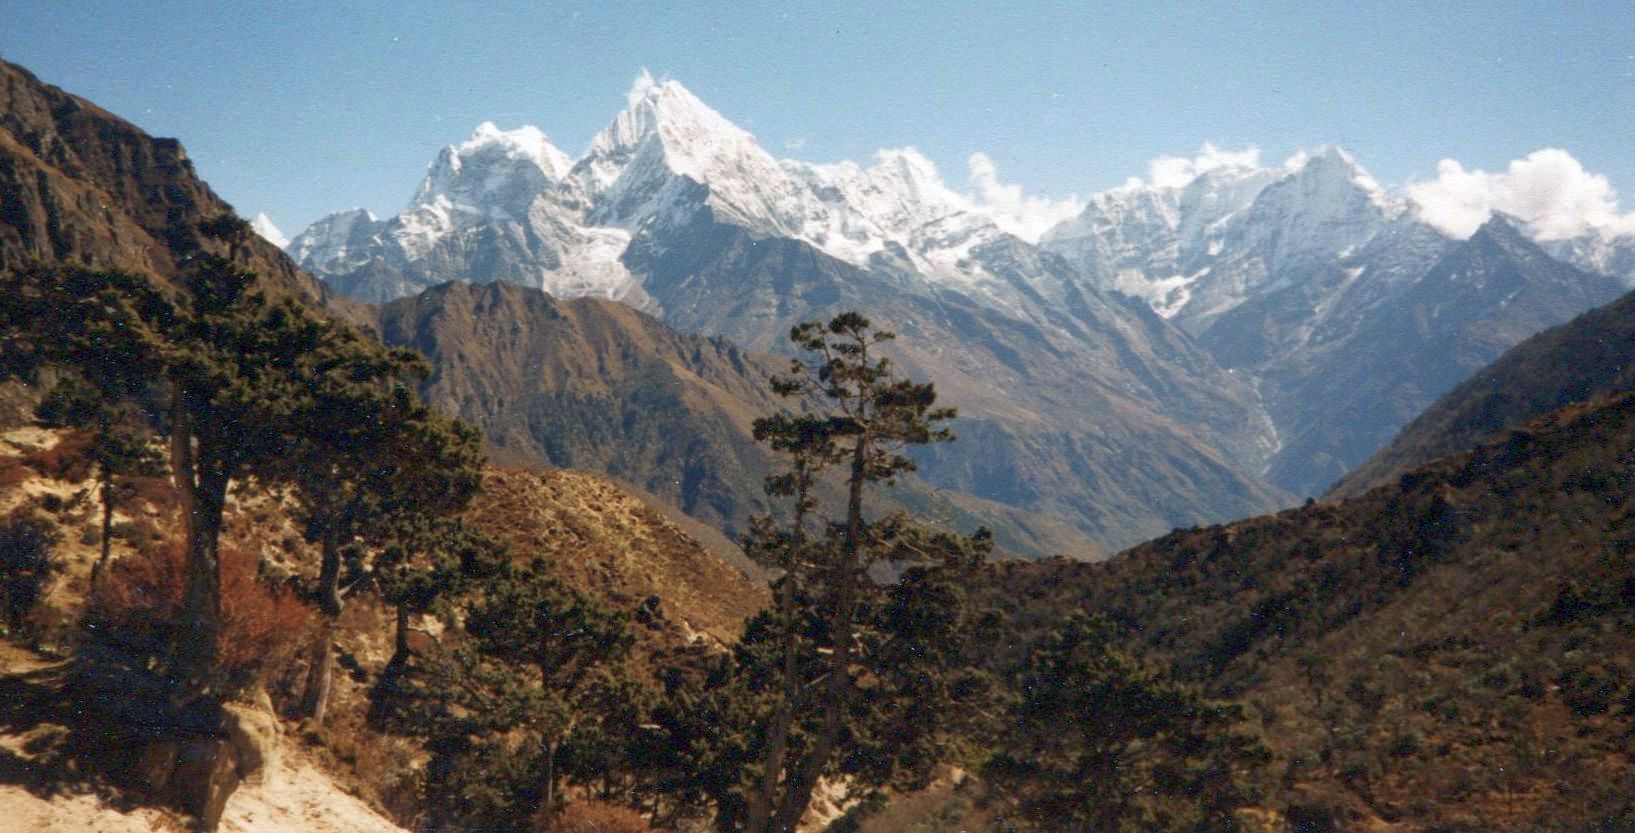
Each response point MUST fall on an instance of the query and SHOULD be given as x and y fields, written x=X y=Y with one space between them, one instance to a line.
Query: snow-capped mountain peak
x=893 y=198
x=1334 y=168
x=693 y=134
x=526 y=142
x=492 y=168
x=645 y=166
x=335 y=241
x=263 y=225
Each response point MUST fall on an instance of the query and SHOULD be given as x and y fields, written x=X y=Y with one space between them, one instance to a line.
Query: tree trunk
x=760 y=802
x=106 y=481
x=203 y=485
x=401 y=653
x=798 y=794
x=547 y=802
x=315 y=702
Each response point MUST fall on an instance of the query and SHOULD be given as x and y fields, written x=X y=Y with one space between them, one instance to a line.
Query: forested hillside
x=1447 y=652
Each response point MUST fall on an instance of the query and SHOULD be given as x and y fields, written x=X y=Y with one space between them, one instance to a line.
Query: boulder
x=206 y=775
x=253 y=731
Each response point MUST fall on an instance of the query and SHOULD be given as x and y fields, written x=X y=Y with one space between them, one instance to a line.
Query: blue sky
x=297 y=108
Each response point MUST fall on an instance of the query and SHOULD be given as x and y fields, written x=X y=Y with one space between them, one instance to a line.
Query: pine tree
x=503 y=704
x=809 y=444
x=868 y=416
x=93 y=327
x=237 y=368
x=427 y=561
x=120 y=446
x=1096 y=742
x=370 y=457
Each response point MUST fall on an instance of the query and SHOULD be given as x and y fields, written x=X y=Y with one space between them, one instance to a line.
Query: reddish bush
x=595 y=817
x=262 y=627
x=157 y=492
x=13 y=473
x=68 y=460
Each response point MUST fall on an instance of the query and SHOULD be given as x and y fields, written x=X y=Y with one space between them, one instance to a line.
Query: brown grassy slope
x=1478 y=620
x=616 y=547
x=595 y=385
x=1592 y=355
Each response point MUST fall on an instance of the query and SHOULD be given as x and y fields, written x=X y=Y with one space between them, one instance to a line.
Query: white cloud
x=1548 y=189
x=1177 y=171
x=795 y=144
x=1027 y=217
x=639 y=87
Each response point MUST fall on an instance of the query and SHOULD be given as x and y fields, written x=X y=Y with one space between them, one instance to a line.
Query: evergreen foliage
x=1096 y=742
x=256 y=387
x=95 y=328
x=26 y=566
x=121 y=445
x=429 y=562
x=840 y=699
x=503 y=708
x=371 y=460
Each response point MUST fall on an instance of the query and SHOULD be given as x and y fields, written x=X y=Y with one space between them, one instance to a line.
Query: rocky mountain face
x=79 y=183
x=1075 y=402
x=1413 y=651
x=1586 y=358
x=1599 y=251
x=592 y=384
x=1347 y=394
x=1350 y=314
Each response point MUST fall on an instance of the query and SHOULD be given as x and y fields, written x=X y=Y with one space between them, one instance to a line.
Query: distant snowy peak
x=645 y=167
x=494 y=169
x=696 y=140
x=335 y=241
x=263 y=225
x=853 y=212
x=1325 y=208
x=899 y=193
x=1600 y=252
x=1208 y=233
x=660 y=161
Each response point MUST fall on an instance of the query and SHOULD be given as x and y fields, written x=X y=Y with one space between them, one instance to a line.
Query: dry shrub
x=156 y=492
x=262 y=627
x=13 y=473
x=595 y=817
x=70 y=459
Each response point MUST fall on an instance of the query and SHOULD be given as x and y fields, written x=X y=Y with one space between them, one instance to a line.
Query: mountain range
x=1443 y=647
x=1175 y=354
x=1584 y=359
x=1076 y=403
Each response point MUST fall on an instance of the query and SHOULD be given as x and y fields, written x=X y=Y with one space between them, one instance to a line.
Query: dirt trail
x=40 y=795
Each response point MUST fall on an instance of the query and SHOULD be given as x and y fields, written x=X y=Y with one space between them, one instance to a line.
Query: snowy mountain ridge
x=1157 y=241
x=662 y=158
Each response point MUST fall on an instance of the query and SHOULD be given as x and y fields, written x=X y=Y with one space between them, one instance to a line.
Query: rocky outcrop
x=196 y=764
x=189 y=755
x=79 y=183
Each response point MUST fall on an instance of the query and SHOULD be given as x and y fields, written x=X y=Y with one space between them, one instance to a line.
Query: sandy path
x=294 y=797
